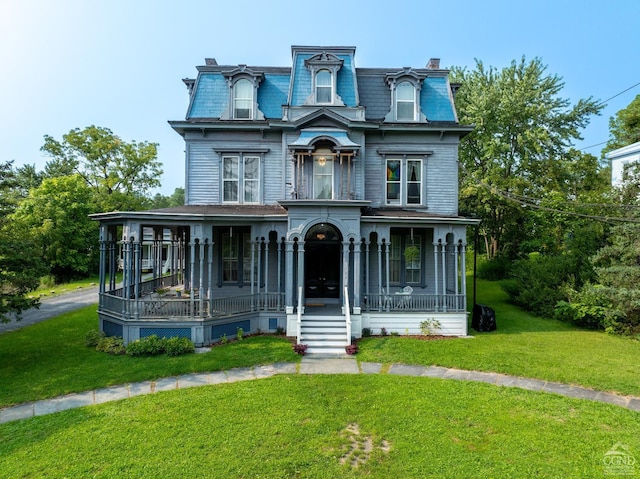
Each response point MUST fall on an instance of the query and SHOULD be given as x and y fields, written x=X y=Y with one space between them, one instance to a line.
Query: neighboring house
x=620 y=158
x=321 y=199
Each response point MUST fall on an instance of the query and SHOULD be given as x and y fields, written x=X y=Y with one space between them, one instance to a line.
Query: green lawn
x=50 y=359
x=306 y=426
x=523 y=345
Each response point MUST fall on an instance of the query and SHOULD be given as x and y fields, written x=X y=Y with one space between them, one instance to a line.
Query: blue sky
x=119 y=63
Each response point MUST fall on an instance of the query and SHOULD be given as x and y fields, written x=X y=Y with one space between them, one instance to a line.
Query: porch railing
x=347 y=314
x=187 y=308
x=416 y=302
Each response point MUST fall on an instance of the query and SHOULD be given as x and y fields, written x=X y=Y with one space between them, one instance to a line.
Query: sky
x=119 y=64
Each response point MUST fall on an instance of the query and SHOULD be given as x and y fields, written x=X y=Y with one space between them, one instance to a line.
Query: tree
x=624 y=128
x=176 y=199
x=20 y=266
x=522 y=129
x=56 y=216
x=119 y=173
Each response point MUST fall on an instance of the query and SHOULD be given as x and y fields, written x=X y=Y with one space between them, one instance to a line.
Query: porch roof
x=382 y=215
x=197 y=212
x=310 y=135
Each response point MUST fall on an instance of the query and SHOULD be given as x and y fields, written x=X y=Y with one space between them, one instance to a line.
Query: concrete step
x=324 y=342
x=323 y=330
x=321 y=350
x=324 y=337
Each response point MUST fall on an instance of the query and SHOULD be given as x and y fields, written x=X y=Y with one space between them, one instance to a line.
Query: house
x=321 y=199
x=620 y=158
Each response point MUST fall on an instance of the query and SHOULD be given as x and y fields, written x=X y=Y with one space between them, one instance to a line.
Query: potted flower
x=411 y=253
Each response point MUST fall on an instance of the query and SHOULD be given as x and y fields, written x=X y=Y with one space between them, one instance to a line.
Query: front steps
x=324 y=334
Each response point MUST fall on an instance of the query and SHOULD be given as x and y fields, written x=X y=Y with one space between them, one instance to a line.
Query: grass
x=319 y=427
x=50 y=359
x=48 y=287
x=523 y=345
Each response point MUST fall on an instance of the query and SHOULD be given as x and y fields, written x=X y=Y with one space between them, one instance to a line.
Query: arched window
x=324 y=87
x=243 y=100
x=405 y=101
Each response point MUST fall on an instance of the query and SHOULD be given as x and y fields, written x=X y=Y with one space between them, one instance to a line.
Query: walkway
x=308 y=365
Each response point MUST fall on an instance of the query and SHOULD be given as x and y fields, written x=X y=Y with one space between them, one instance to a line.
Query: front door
x=322 y=269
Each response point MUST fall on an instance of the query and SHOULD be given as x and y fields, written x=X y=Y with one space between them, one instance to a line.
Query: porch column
x=201 y=286
x=126 y=275
x=300 y=270
x=253 y=268
x=357 y=275
x=345 y=268
x=386 y=261
x=443 y=251
x=288 y=277
x=435 y=273
x=266 y=271
x=137 y=259
x=103 y=259
x=279 y=246
x=380 y=288
x=210 y=272
x=192 y=262
x=463 y=273
x=367 y=279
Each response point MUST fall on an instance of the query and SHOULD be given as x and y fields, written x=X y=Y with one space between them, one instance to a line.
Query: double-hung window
x=243 y=100
x=405 y=259
x=236 y=257
x=404 y=181
x=241 y=179
x=324 y=87
x=405 y=102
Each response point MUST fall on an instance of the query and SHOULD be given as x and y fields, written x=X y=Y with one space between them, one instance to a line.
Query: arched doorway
x=322 y=261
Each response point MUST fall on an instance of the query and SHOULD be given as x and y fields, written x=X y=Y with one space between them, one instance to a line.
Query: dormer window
x=243 y=83
x=243 y=100
x=405 y=88
x=324 y=86
x=324 y=69
x=405 y=102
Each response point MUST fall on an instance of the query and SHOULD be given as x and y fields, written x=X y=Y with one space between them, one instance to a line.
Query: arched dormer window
x=243 y=83
x=324 y=86
x=243 y=100
x=405 y=88
x=405 y=102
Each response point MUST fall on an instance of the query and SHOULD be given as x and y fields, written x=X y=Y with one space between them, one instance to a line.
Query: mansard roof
x=282 y=88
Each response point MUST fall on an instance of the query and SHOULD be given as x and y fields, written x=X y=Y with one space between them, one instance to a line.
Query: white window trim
x=331 y=86
x=413 y=101
x=403 y=181
x=241 y=180
x=250 y=99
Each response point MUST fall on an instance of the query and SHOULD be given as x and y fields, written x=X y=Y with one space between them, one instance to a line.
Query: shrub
x=178 y=346
x=224 y=339
x=93 y=337
x=366 y=332
x=430 y=326
x=280 y=331
x=300 y=349
x=383 y=331
x=351 y=349
x=494 y=269
x=239 y=334
x=149 y=346
x=111 y=345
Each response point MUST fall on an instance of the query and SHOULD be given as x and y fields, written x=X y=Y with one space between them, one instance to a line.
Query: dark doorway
x=322 y=262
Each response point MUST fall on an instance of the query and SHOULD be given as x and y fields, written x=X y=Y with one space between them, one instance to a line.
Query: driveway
x=54 y=306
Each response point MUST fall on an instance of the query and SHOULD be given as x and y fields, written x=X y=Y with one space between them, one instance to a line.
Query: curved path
x=308 y=365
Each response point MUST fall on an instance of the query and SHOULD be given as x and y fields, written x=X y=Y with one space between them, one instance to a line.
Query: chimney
x=210 y=61
x=434 y=64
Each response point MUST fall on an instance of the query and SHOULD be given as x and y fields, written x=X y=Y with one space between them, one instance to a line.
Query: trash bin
x=484 y=318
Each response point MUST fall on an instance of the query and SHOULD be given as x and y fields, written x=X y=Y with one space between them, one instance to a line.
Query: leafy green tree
x=522 y=129
x=175 y=199
x=119 y=173
x=624 y=128
x=56 y=216
x=20 y=265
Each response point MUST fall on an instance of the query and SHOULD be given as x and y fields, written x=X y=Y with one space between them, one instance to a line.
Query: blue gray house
x=321 y=199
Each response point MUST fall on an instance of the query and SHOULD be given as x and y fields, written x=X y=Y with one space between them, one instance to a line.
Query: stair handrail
x=299 y=321
x=347 y=314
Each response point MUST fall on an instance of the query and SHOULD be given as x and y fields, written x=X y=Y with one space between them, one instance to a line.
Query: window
x=405 y=259
x=324 y=87
x=404 y=181
x=323 y=178
x=243 y=100
x=241 y=179
x=405 y=102
x=236 y=252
